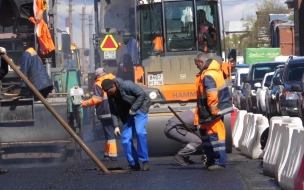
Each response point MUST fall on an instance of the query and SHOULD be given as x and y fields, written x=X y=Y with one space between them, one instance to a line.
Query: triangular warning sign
x=108 y=43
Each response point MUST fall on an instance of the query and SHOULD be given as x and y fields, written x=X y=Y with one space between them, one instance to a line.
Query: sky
x=233 y=10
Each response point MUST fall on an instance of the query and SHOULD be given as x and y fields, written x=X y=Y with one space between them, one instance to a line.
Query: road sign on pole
x=108 y=43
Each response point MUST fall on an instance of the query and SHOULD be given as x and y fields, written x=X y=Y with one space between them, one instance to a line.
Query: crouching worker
x=33 y=68
x=176 y=131
x=130 y=103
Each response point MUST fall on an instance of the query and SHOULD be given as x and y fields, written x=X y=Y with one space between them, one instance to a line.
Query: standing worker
x=130 y=103
x=101 y=103
x=176 y=131
x=213 y=102
x=3 y=72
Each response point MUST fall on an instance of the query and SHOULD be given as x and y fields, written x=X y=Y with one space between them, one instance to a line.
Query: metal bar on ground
x=180 y=119
x=56 y=115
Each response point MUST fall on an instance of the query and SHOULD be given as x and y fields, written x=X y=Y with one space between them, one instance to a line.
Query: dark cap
x=107 y=84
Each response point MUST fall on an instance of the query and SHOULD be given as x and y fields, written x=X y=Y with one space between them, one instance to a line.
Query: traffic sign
x=108 y=43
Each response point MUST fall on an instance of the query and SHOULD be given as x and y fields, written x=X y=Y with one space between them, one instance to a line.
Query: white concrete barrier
x=245 y=125
x=275 y=143
x=293 y=160
x=287 y=131
x=271 y=149
x=250 y=135
x=255 y=150
x=238 y=127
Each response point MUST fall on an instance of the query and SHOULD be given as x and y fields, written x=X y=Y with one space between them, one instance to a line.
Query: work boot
x=109 y=158
x=145 y=166
x=180 y=160
x=3 y=171
x=136 y=167
x=216 y=167
x=187 y=160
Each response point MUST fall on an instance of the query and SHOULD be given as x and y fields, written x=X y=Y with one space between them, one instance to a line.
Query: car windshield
x=260 y=71
x=295 y=73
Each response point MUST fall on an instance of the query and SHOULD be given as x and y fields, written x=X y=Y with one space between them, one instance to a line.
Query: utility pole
x=84 y=65
x=56 y=2
x=102 y=14
x=91 y=48
x=71 y=20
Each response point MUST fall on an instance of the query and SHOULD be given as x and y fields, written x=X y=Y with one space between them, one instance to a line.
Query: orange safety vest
x=213 y=98
x=158 y=44
x=100 y=100
x=41 y=29
x=38 y=7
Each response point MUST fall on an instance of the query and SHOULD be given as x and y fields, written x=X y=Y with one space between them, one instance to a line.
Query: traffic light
x=232 y=55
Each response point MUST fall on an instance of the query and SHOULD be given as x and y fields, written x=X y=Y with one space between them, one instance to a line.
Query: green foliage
x=291 y=17
x=259 y=24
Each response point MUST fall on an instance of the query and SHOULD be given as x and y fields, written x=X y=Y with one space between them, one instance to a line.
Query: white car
x=261 y=92
x=236 y=94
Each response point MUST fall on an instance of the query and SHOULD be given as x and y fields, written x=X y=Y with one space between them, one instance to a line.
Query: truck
x=28 y=131
x=158 y=42
x=256 y=55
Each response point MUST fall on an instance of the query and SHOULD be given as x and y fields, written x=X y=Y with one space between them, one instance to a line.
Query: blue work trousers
x=135 y=124
x=213 y=148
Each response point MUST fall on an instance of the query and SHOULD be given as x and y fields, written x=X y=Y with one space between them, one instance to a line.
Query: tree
x=259 y=24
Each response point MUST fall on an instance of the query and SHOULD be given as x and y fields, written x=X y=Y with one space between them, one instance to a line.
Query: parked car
x=300 y=91
x=242 y=105
x=235 y=69
x=272 y=94
x=289 y=100
x=256 y=74
x=261 y=91
x=236 y=94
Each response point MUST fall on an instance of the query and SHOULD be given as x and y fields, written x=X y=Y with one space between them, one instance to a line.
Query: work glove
x=131 y=112
x=2 y=50
x=117 y=131
x=84 y=104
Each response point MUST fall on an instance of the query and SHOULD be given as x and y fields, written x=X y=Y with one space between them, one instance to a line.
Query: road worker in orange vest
x=213 y=102
x=100 y=101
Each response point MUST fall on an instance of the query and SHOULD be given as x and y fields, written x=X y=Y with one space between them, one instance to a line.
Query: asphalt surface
x=241 y=173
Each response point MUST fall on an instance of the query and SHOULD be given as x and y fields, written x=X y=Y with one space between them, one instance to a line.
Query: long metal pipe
x=56 y=115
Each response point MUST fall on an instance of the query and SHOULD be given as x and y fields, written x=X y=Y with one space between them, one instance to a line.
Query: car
x=272 y=94
x=261 y=91
x=242 y=105
x=235 y=69
x=289 y=100
x=236 y=94
x=300 y=91
x=256 y=74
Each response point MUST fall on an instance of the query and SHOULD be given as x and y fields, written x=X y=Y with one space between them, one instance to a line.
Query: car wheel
x=228 y=141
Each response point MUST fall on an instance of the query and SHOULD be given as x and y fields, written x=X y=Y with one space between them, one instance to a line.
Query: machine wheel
x=227 y=123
